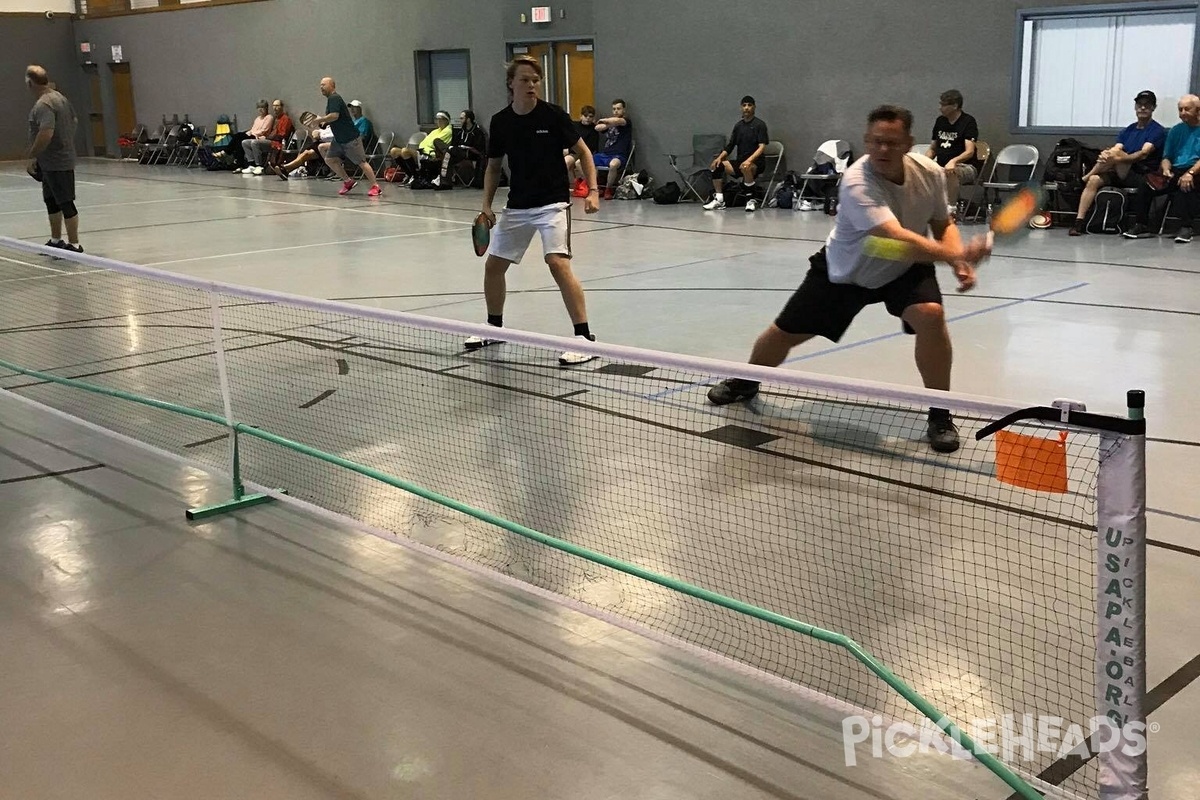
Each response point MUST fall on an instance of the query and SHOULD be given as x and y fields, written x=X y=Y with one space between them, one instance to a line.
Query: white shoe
x=570 y=359
x=237 y=171
x=751 y=206
x=258 y=170
x=808 y=205
x=714 y=205
x=478 y=342
x=298 y=173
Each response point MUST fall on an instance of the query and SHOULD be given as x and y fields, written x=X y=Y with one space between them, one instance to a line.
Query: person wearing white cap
x=428 y=149
x=365 y=129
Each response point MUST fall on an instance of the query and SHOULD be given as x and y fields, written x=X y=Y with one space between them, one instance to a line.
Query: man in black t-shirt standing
x=532 y=134
x=749 y=138
x=953 y=144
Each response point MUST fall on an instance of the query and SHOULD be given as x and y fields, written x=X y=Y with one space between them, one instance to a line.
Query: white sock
x=55 y=240
x=719 y=197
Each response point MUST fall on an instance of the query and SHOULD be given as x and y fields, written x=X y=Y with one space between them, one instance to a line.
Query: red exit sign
x=541 y=14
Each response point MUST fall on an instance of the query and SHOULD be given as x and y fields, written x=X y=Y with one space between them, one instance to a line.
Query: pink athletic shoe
x=375 y=191
x=347 y=186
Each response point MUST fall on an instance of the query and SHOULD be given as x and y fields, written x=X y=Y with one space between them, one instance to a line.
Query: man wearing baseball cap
x=750 y=139
x=365 y=130
x=1127 y=163
x=427 y=150
x=1178 y=170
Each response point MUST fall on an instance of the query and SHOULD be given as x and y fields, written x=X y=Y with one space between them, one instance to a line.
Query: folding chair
x=773 y=150
x=1019 y=161
x=138 y=136
x=821 y=180
x=379 y=153
x=705 y=147
x=186 y=151
x=160 y=152
x=625 y=164
x=983 y=152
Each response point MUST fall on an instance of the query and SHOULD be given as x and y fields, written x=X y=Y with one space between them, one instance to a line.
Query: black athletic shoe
x=279 y=172
x=1183 y=236
x=1138 y=231
x=58 y=244
x=732 y=390
x=72 y=248
x=943 y=435
x=1077 y=229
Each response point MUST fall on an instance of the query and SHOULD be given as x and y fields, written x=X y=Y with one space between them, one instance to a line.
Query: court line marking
x=36 y=266
x=193 y=197
x=875 y=339
x=352 y=210
x=294 y=247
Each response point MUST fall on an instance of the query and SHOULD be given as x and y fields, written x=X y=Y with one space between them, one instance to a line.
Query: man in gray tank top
x=51 y=156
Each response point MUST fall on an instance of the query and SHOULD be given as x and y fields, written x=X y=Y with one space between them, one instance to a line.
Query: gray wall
x=33 y=39
x=222 y=59
x=815 y=66
x=577 y=20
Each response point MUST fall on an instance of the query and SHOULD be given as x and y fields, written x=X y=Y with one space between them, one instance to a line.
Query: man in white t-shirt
x=896 y=195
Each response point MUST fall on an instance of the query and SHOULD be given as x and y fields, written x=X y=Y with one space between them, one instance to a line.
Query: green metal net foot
x=236 y=504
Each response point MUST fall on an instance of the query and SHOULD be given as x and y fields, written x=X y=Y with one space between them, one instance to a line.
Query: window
x=443 y=83
x=1080 y=67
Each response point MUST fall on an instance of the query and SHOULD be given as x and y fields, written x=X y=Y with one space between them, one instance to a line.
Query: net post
x=240 y=499
x=1121 y=607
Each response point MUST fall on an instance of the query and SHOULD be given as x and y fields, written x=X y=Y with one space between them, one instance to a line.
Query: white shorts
x=515 y=228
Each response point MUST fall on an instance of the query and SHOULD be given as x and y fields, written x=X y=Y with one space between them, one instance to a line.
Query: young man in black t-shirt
x=749 y=138
x=953 y=144
x=587 y=131
x=532 y=134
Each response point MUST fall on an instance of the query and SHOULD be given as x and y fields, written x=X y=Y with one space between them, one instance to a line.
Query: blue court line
x=884 y=337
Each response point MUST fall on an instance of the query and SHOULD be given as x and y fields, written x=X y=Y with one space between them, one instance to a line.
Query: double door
x=569 y=72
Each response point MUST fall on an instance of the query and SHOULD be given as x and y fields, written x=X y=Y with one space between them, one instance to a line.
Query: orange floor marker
x=1032 y=462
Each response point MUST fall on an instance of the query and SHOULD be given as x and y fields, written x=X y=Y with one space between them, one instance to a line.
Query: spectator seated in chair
x=750 y=139
x=1125 y=165
x=317 y=147
x=587 y=131
x=264 y=123
x=1176 y=176
x=468 y=143
x=259 y=150
x=365 y=129
x=953 y=145
x=428 y=151
x=616 y=133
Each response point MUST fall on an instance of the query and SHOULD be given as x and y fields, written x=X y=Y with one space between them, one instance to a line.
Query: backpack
x=1068 y=162
x=1108 y=212
x=666 y=195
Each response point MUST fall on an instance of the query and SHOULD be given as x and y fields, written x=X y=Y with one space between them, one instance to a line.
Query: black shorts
x=823 y=308
x=1132 y=180
x=58 y=186
x=737 y=168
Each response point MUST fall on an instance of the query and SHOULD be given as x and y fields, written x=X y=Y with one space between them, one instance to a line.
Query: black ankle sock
x=496 y=319
x=939 y=413
x=581 y=329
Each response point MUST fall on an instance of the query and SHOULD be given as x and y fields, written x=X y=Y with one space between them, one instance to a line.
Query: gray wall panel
x=31 y=39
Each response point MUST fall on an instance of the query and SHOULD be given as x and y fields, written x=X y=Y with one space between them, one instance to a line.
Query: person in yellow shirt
x=431 y=148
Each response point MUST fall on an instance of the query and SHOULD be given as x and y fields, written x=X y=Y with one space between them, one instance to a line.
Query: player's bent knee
x=69 y=211
x=925 y=316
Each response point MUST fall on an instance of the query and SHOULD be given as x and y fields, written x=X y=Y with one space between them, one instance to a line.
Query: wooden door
x=96 y=111
x=576 y=76
x=123 y=95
